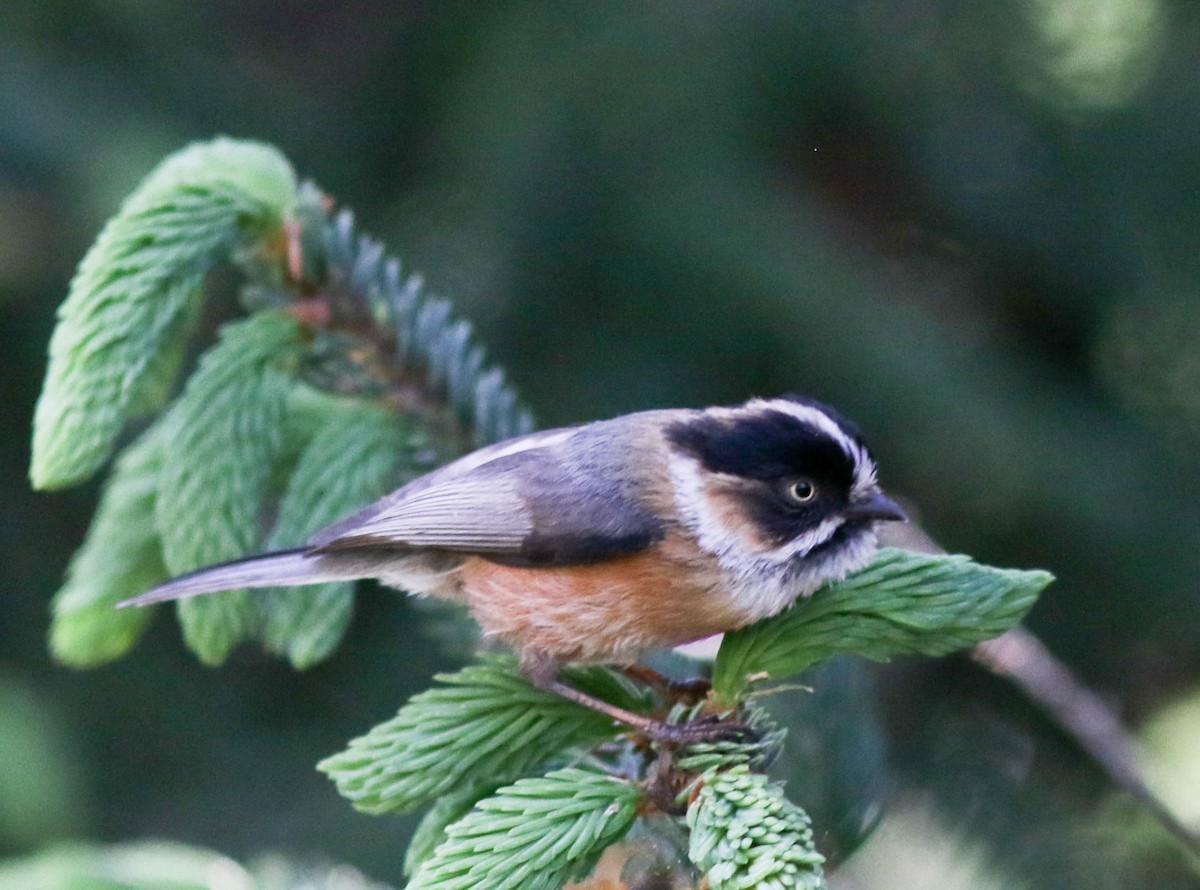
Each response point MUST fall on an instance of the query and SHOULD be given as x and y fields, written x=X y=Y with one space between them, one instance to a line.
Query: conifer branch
x=444 y=812
x=120 y=557
x=903 y=603
x=348 y=461
x=533 y=835
x=346 y=379
x=407 y=347
x=745 y=835
x=222 y=438
x=134 y=300
x=758 y=752
x=485 y=723
x=250 y=438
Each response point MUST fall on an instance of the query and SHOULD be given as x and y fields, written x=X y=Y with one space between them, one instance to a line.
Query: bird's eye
x=801 y=491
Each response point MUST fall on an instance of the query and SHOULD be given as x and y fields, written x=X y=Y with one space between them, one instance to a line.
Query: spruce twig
x=532 y=835
x=485 y=723
x=334 y=389
x=746 y=835
x=237 y=447
x=1083 y=715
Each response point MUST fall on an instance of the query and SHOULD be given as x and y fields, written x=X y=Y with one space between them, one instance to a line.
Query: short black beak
x=878 y=507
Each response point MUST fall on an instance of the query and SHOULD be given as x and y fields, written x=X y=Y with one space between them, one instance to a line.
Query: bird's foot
x=706 y=729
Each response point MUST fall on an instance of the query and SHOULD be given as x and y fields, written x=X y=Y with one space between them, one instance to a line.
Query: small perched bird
x=601 y=542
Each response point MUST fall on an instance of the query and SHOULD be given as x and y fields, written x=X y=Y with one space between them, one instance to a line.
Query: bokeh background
x=971 y=225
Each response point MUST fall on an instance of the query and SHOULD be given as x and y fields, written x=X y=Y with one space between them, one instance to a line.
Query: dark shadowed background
x=973 y=226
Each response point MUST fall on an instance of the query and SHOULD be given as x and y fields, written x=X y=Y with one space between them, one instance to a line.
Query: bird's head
x=784 y=482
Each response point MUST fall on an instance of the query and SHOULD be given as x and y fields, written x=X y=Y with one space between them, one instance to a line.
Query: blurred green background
x=974 y=226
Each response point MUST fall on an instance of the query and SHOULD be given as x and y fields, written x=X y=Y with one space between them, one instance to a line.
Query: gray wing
x=479 y=512
x=528 y=501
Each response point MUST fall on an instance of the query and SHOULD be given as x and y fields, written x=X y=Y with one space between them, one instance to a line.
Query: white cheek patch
x=761 y=582
x=694 y=508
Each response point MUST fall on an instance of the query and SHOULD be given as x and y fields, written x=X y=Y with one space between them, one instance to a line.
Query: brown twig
x=1079 y=712
x=1022 y=658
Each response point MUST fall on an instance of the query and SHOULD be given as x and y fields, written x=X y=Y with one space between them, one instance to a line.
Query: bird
x=601 y=542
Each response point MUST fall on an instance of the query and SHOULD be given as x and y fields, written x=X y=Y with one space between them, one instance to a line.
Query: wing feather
x=473 y=513
x=464 y=506
x=534 y=500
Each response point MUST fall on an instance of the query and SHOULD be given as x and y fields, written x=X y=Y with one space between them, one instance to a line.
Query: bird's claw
x=706 y=729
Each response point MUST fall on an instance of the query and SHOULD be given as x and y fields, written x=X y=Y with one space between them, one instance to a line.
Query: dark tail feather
x=281 y=568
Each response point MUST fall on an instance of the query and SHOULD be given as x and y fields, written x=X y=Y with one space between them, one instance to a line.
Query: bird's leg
x=543 y=673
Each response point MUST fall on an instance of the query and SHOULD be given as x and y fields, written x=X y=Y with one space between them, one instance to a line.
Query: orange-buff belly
x=608 y=611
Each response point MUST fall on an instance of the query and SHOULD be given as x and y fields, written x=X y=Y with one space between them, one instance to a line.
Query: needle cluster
x=344 y=379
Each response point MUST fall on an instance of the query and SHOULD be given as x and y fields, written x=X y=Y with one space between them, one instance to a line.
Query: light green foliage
x=533 y=835
x=132 y=302
x=444 y=812
x=485 y=723
x=145 y=866
x=259 y=418
x=221 y=440
x=282 y=410
x=903 y=603
x=745 y=834
x=349 y=462
x=163 y=865
x=120 y=557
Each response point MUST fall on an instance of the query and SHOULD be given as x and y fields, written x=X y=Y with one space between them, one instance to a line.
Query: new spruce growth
x=745 y=835
x=343 y=380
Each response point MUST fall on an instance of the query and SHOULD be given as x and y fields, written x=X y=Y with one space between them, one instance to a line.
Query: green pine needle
x=132 y=303
x=903 y=603
x=120 y=557
x=745 y=834
x=348 y=463
x=444 y=812
x=222 y=438
x=534 y=835
x=251 y=423
x=116 y=352
x=305 y=624
x=485 y=723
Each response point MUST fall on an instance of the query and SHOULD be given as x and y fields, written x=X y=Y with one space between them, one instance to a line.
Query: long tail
x=281 y=568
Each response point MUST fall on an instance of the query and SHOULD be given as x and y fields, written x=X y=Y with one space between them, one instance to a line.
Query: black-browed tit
x=600 y=542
